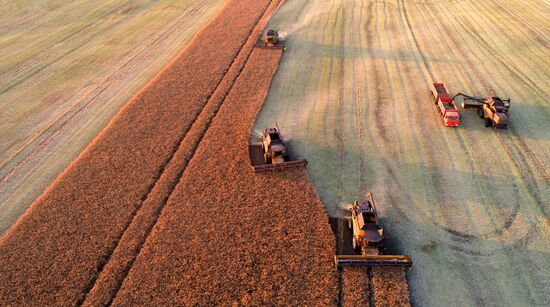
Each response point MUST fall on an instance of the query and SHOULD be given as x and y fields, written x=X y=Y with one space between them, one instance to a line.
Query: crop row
x=355 y=287
x=389 y=286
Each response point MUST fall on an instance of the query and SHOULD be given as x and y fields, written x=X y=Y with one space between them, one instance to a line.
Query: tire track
x=340 y=128
x=339 y=185
x=317 y=37
x=508 y=222
x=475 y=167
x=496 y=57
x=527 y=20
x=526 y=238
x=534 y=190
x=45 y=53
x=358 y=101
x=340 y=136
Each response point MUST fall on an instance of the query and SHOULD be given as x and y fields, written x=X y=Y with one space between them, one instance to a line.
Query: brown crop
x=390 y=286
x=230 y=236
x=54 y=252
x=114 y=272
x=355 y=287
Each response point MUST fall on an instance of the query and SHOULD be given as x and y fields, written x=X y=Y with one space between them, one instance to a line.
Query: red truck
x=445 y=105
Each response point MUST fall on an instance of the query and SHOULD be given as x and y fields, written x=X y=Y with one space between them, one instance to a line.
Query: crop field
x=221 y=205
x=155 y=103
x=470 y=204
x=56 y=251
x=66 y=69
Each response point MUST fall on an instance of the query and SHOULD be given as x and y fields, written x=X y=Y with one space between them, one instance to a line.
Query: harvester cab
x=274 y=150
x=368 y=237
x=493 y=110
x=275 y=154
x=367 y=233
x=272 y=39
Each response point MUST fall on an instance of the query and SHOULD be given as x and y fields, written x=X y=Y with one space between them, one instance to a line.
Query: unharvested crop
x=52 y=254
x=114 y=272
x=389 y=286
x=355 y=287
x=230 y=236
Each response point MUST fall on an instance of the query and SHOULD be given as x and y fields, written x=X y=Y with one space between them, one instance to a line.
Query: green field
x=66 y=68
x=351 y=96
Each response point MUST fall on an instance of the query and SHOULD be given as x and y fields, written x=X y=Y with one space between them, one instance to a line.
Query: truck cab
x=451 y=119
x=271 y=37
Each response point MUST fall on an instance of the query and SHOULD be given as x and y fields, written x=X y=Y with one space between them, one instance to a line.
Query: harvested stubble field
x=54 y=252
x=469 y=205
x=66 y=68
x=233 y=237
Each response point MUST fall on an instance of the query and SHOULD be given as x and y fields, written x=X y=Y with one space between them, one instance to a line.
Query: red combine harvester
x=445 y=105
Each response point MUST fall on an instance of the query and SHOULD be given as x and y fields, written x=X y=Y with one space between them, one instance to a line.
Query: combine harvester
x=367 y=237
x=274 y=152
x=445 y=105
x=493 y=110
x=272 y=39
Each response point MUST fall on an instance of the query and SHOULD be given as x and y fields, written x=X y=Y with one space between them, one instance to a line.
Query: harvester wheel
x=480 y=113
x=488 y=122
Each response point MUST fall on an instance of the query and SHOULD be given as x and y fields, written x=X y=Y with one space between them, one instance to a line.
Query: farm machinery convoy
x=494 y=110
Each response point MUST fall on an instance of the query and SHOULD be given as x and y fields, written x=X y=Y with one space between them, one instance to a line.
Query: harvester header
x=378 y=260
